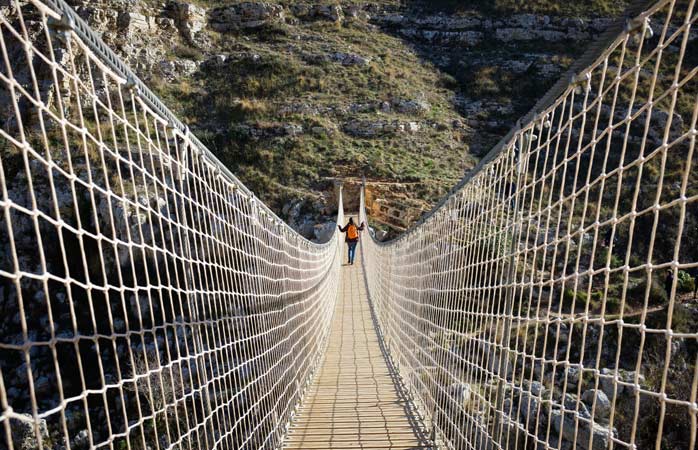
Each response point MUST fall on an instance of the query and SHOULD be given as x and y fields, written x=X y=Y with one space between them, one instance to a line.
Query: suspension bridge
x=148 y=299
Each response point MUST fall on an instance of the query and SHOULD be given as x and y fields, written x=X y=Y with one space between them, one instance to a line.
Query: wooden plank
x=354 y=401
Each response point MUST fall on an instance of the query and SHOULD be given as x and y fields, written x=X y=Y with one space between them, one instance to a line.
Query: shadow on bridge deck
x=355 y=400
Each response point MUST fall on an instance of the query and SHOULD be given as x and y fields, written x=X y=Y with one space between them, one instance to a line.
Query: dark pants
x=352 y=251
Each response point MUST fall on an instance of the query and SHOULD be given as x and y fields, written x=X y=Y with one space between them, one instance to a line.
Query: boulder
x=573 y=373
x=332 y=13
x=602 y=409
x=190 y=18
x=81 y=440
x=350 y=59
x=246 y=15
x=412 y=127
x=358 y=13
x=572 y=404
x=216 y=60
x=166 y=25
x=364 y=128
x=460 y=393
x=564 y=423
x=322 y=131
x=416 y=106
x=607 y=380
x=529 y=408
x=323 y=232
x=100 y=19
x=537 y=388
x=24 y=432
x=394 y=19
x=133 y=22
x=175 y=69
x=292 y=129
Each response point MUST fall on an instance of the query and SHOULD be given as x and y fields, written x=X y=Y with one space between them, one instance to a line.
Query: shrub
x=685 y=282
x=580 y=298
x=613 y=305
x=188 y=52
x=616 y=261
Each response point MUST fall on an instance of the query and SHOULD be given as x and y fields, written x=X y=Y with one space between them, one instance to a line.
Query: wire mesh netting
x=550 y=302
x=147 y=299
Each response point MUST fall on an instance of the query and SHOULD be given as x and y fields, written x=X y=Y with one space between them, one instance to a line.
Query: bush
x=188 y=52
x=685 y=282
x=580 y=298
x=613 y=305
x=616 y=261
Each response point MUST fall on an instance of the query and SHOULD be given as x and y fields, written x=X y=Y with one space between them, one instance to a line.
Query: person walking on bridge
x=352 y=237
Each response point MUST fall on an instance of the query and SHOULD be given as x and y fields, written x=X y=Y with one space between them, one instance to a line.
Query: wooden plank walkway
x=355 y=401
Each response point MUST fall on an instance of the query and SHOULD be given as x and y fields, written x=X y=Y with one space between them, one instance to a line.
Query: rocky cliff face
x=292 y=95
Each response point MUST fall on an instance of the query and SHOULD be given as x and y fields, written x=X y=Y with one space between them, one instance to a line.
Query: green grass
x=250 y=90
x=272 y=67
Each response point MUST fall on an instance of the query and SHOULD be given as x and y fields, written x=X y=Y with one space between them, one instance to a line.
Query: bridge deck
x=355 y=400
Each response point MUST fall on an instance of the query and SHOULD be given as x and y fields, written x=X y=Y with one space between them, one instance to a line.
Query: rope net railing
x=549 y=303
x=147 y=299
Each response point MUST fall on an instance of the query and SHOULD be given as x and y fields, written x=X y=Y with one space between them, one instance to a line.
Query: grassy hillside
x=282 y=77
x=294 y=104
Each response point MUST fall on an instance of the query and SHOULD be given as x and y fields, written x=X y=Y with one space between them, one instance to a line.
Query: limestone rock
x=216 y=61
x=607 y=380
x=464 y=38
x=350 y=59
x=416 y=106
x=333 y=13
x=257 y=131
x=175 y=69
x=246 y=15
x=602 y=409
x=364 y=128
x=470 y=30
x=376 y=128
x=571 y=403
x=100 y=19
x=526 y=34
x=564 y=423
x=322 y=131
x=24 y=433
x=573 y=373
x=357 y=13
x=461 y=394
x=323 y=232
x=190 y=18
x=529 y=407
x=133 y=23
